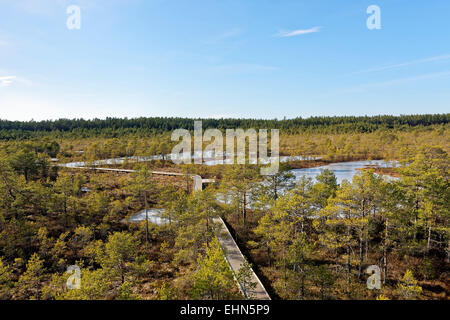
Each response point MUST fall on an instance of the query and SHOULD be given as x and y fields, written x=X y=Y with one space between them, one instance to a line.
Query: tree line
x=113 y=127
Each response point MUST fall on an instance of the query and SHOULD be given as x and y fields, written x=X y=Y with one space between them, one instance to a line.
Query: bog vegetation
x=306 y=239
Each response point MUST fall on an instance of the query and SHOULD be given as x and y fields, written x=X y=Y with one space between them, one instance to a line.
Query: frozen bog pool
x=342 y=170
x=154 y=216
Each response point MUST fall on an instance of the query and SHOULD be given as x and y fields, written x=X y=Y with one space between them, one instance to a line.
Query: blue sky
x=223 y=58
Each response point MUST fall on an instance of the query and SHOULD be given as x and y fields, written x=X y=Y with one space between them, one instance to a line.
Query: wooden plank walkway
x=124 y=170
x=231 y=250
x=235 y=259
x=101 y=169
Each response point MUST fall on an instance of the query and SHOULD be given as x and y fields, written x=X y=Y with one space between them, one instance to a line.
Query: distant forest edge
x=111 y=127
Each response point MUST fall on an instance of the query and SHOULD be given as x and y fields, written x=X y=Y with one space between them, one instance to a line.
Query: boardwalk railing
x=232 y=253
x=236 y=259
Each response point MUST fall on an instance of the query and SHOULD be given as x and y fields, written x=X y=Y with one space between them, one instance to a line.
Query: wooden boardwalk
x=122 y=170
x=233 y=254
x=235 y=259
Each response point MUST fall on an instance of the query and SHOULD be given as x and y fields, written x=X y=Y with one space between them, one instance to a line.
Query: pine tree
x=142 y=185
x=166 y=292
x=125 y=292
x=238 y=183
x=196 y=224
x=245 y=278
x=213 y=278
x=120 y=252
x=408 y=288
x=275 y=184
x=324 y=279
x=29 y=284
x=6 y=280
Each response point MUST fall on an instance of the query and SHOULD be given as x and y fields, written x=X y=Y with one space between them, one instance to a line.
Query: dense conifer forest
x=115 y=127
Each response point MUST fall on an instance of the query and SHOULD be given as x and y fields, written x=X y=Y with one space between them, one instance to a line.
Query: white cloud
x=230 y=33
x=6 y=81
x=401 y=81
x=299 y=32
x=243 y=68
x=428 y=76
x=44 y=7
x=54 y=7
x=226 y=35
x=406 y=64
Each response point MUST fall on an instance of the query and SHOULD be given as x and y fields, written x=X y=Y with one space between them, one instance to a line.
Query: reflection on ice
x=343 y=170
x=209 y=158
x=154 y=216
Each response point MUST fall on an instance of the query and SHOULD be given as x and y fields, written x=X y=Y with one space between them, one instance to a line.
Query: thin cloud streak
x=54 y=7
x=229 y=34
x=428 y=76
x=284 y=34
x=242 y=68
x=406 y=64
x=6 y=81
